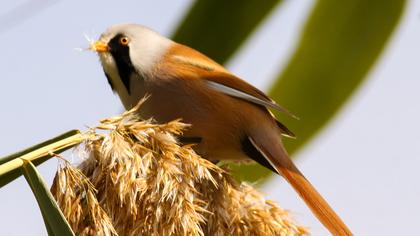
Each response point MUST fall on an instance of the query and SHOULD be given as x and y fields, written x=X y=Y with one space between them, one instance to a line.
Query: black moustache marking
x=252 y=152
x=121 y=55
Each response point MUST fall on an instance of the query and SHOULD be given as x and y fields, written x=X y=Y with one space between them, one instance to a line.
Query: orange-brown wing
x=235 y=87
x=218 y=78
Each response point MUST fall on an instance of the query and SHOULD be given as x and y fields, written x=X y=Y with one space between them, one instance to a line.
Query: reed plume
x=137 y=179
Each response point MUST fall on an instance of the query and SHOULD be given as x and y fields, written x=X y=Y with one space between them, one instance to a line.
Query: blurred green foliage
x=218 y=28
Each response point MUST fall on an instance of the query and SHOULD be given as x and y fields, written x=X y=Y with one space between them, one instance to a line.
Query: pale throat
x=128 y=99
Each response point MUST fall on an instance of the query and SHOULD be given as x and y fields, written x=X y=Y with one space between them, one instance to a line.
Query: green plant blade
x=217 y=28
x=38 y=146
x=340 y=43
x=11 y=172
x=55 y=221
x=47 y=226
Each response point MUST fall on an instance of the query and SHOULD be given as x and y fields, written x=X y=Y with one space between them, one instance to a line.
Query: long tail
x=277 y=156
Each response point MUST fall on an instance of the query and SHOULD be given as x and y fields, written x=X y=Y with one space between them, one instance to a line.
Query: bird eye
x=124 y=41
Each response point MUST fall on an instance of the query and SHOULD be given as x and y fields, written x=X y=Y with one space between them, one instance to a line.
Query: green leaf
x=10 y=173
x=339 y=44
x=217 y=28
x=47 y=226
x=55 y=221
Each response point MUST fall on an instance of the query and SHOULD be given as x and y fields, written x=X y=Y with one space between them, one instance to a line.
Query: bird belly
x=218 y=128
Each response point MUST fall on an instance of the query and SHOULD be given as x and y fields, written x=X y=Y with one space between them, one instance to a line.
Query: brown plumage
x=229 y=117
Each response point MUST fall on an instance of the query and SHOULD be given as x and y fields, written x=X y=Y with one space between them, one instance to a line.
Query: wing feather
x=217 y=78
x=260 y=100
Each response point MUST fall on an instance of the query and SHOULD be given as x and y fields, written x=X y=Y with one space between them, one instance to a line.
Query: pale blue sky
x=365 y=162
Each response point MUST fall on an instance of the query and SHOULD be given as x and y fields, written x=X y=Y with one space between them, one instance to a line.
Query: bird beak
x=99 y=47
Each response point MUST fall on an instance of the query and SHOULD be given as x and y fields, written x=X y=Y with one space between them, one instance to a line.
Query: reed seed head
x=136 y=179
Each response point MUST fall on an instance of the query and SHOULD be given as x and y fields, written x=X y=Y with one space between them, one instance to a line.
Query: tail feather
x=280 y=161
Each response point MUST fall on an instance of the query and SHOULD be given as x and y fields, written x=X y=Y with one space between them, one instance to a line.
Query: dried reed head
x=143 y=182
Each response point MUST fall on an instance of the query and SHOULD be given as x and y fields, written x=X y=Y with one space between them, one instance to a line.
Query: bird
x=230 y=119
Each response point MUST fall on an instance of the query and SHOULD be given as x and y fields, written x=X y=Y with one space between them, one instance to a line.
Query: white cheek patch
x=147 y=50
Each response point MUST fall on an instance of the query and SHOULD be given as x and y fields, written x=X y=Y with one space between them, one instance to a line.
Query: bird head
x=128 y=48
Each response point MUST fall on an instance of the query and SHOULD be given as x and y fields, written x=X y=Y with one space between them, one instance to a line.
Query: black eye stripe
x=121 y=55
